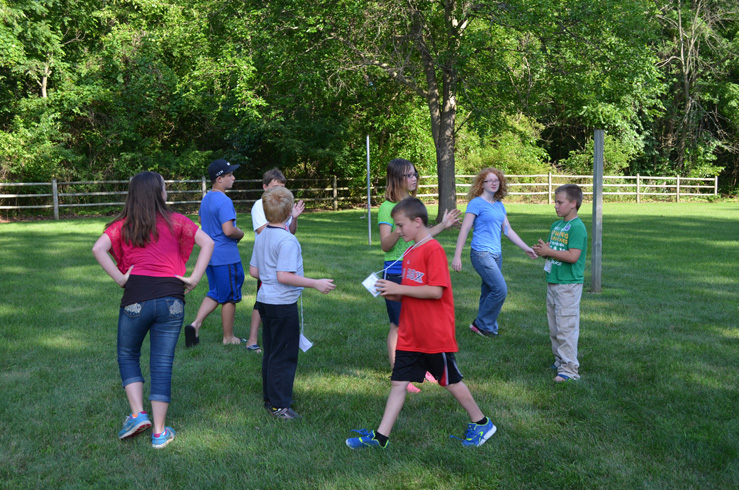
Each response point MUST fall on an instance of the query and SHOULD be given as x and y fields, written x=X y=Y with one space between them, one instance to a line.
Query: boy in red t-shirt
x=426 y=339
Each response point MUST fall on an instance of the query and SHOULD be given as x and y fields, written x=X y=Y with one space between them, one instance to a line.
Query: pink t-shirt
x=165 y=257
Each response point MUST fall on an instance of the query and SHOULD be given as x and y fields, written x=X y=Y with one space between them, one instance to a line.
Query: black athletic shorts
x=412 y=366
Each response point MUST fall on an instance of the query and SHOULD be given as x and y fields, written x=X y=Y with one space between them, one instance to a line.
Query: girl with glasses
x=487 y=215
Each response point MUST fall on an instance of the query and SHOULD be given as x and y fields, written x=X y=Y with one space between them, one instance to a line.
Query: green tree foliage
x=697 y=50
x=94 y=89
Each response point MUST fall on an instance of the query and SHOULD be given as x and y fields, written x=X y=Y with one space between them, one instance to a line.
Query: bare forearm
x=569 y=256
x=420 y=292
x=206 y=251
x=513 y=237
x=235 y=234
x=100 y=251
x=292 y=279
x=469 y=220
x=437 y=228
x=106 y=262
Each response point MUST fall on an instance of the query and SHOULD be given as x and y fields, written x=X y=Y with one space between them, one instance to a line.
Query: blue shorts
x=393 y=307
x=225 y=282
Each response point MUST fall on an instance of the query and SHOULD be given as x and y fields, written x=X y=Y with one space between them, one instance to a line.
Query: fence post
x=715 y=185
x=203 y=188
x=549 y=188
x=677 y=190
x=336 y=196
x=638 y=188
x=55 y=193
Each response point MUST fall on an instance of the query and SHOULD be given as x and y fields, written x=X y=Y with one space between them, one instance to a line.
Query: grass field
x=656 y=406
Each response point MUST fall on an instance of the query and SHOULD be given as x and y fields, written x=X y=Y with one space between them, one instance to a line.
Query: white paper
x=547 y=265
x=369 y=283
x=305 y=344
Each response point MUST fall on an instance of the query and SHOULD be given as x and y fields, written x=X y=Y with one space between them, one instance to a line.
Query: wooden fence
x=334 y=192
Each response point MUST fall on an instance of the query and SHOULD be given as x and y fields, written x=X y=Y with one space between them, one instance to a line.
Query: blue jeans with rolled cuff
x=493 y=291
x=162 y=319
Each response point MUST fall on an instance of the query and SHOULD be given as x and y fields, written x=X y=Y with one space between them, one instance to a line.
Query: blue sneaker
x=476 y=435
x=134 y=426
x=366 y=439
x=162 y=439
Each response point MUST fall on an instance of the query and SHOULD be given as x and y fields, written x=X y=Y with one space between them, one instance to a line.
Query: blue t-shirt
x=215 y=209
x=489 y=218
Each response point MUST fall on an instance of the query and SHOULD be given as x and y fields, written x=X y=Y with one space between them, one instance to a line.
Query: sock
x=483 y=421
x=381 y=439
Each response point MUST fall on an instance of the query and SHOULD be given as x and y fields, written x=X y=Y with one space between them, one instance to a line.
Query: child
x=487 y=215
x=150 y=245
x=565 y=267
x=277 y=262
x=426 y=336
x=225 y=272
x=401 y=182
x=272 y=178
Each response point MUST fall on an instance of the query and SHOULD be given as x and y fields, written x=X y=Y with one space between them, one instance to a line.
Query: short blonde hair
x=278 y=204
x=476 y=187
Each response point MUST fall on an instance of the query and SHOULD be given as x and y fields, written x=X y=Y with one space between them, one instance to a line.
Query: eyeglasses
x=496 y=181
x=411 y=175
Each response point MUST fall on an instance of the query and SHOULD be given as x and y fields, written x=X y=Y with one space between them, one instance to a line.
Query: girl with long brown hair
x=144 y=250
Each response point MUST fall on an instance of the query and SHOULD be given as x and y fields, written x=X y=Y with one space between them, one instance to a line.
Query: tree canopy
x=101 y=89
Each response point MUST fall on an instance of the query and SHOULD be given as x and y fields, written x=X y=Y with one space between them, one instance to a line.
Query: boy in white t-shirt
x=272 y=178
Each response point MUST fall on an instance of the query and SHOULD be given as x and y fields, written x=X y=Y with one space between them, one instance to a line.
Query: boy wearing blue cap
x=225 y=273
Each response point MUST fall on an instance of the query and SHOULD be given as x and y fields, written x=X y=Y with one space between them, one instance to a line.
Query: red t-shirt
x=164 y=257
x=427 y=325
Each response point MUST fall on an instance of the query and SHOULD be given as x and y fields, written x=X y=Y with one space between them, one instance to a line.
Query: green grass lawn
x=656 y=406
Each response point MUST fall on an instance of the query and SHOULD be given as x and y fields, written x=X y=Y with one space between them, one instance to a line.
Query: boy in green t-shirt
x=565 y=268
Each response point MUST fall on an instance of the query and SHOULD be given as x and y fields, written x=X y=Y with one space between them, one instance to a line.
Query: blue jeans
x=162 y=319
x=493 y=290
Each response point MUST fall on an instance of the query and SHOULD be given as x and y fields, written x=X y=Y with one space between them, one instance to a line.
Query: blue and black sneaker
x=366 y=439
x=476 y=435
x=134 y=425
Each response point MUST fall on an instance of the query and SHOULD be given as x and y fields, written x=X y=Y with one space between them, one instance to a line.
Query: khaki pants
x=563 y=313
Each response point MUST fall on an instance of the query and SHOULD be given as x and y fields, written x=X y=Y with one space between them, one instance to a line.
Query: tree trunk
x=445 y=164
x=45 y=80
x=442 y=110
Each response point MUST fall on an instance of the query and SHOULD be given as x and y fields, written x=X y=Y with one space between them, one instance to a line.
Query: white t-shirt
x=258 y=219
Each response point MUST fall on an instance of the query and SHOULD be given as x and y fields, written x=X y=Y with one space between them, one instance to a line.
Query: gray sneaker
x=284 y=413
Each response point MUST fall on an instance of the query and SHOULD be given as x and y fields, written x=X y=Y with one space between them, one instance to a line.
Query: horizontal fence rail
x=334 y=192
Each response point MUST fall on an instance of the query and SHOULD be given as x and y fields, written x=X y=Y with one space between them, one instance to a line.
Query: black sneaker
x=284 y=413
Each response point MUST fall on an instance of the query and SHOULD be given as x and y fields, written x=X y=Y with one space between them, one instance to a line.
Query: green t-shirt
x=384 y=217
x=565 y=235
